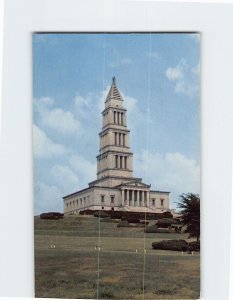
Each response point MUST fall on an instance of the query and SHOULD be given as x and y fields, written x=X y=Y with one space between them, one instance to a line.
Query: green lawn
x=70 y=269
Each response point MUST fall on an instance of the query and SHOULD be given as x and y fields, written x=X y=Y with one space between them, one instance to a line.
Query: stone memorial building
x=115 y=187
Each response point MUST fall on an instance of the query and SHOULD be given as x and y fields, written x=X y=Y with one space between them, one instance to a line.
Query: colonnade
x=118 y=118
x=132 y=197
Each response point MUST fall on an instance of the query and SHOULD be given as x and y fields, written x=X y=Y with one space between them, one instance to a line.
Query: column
x=122 y=197
x=132 y=197
x=116 y=161
x=138 y=197
x=122 y=119
x=115 y=135
x=144 y=198
x=128 y=197
x=147 y=198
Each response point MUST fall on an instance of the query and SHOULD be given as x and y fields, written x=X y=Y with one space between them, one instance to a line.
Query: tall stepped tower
x=115 y=159
x=115 y=187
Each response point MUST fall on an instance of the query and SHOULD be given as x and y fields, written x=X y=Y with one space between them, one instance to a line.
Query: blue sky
x=158 y=76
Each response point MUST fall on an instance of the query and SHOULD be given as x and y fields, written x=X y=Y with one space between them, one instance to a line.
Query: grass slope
x=70 y=269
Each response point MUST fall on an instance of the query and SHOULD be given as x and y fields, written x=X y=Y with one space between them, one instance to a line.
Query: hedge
x=175 y=245
x=101 y=214
x=195 y=246
x=166 y=222
x=155 y=229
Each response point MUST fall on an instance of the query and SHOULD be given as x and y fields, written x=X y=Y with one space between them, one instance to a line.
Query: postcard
x=116 y=131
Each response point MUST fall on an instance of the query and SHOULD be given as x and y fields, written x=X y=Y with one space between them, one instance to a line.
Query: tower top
x=113 y=94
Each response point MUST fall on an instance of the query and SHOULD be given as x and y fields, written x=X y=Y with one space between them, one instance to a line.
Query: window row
x=154 y=201
x=81 y=202
x=102 y=197
x=118 y=118
x=120 y=162
x=119 y=138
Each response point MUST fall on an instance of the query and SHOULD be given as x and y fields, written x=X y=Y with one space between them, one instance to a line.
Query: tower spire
x=113 y=80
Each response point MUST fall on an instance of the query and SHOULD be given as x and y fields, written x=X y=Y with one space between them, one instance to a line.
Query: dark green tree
x=190 y=213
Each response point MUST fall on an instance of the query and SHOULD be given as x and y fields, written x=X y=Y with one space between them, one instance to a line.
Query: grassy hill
x=69 y=263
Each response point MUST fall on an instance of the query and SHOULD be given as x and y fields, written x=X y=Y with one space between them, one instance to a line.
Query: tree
x=190 y=213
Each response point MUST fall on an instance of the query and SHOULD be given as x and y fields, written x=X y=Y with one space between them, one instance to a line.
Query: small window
x=153 y=202
x=162 y=202
x=102 y=198
x=112 y=199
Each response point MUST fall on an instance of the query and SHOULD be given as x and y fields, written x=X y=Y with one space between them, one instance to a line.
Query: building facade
x=115 y=187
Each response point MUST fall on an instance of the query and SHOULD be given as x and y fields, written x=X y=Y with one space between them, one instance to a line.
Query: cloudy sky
x=158 y=76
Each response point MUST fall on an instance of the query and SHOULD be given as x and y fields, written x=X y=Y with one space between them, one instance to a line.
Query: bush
x=51 y=215
x=195 y=246
x=166 y=222
x=133 y=220
x=145 y=222
x=167 y=214
x=175 y=245
x=155 y=229
x=101 y=214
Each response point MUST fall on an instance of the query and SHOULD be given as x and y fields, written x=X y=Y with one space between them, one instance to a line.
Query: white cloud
x=85 y=169
x=45 y=147
x=175 y=73
x=61 y=121
x=57 y=119
x=169 y=172
x=48 y=198
x=120 y=62
x=185 y=77
x=65 y=178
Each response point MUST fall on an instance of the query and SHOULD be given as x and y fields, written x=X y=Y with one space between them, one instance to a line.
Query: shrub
x=166 y=222
x=145 y=222
x=51 y=215
x=101 y=214
x=195 y=246
x=167 y=214
x=133 y=220
x=155 y=229
x=175 y=245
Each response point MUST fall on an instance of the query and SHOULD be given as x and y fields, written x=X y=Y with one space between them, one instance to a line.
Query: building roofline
x=91 y=188
x=83 y=190
x=113 y=177
x=162 y=192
